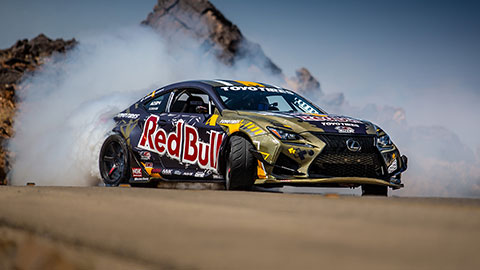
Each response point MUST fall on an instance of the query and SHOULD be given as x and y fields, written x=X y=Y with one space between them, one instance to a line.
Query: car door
x=192 y=142
x=156 y=118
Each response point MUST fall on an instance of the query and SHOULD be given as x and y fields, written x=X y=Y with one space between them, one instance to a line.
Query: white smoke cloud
x=440 y=162
x=66 y=108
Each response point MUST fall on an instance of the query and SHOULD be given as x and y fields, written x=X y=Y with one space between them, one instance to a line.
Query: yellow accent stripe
x=247 y=83
x=258 y=132
x=232 y=127
x=261 y=171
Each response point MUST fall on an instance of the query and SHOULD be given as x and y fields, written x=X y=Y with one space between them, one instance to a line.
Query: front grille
x=336 y=160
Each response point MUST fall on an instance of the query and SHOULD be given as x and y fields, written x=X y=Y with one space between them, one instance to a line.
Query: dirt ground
x=134 y=228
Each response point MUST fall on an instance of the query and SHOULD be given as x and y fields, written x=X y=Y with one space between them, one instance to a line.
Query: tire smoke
x=66 y=107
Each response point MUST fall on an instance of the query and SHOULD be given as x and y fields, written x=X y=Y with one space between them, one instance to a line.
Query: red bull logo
x=183 y=144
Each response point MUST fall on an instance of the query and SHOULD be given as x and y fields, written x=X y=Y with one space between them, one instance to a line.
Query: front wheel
x=241 y=165
x=114 y=161
x=374 y=190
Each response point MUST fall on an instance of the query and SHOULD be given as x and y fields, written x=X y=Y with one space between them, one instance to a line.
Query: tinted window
x=188 y=101
x=158 y=104
x=264 y=99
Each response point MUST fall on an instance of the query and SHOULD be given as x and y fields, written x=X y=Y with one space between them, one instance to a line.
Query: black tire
x=241 y=165
x=374 y=190
x=114 y=161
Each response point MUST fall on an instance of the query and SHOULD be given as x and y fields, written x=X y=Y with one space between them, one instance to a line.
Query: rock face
x=23 y=57
x=175 y=19
x=305 y=83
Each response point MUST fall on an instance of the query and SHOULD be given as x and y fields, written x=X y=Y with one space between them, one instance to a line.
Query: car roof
x=217 y=83
x=208 y=86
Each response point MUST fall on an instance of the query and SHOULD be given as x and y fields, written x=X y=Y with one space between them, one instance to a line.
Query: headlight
x=384 y=141
x=283 y=134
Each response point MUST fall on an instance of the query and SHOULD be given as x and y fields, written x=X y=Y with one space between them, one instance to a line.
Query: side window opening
x=192 y=101
x=158 y=104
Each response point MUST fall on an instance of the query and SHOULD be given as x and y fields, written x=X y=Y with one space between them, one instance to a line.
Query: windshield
x=264 y=99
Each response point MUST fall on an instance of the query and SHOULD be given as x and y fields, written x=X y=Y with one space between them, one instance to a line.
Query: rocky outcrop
x=199 y=19
x=305 y=83
x=175 y=19
x=23 y=57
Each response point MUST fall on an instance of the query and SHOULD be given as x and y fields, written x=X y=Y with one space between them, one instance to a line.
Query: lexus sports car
x=246 y=134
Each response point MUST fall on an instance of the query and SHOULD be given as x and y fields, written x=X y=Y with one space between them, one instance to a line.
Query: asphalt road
x=97 y=227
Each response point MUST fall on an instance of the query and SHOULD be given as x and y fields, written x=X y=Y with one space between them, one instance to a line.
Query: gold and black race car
x=246 y=134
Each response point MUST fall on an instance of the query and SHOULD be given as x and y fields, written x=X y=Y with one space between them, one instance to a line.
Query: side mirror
x=201 y=109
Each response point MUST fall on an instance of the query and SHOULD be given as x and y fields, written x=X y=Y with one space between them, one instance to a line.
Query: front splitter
x=330 y=180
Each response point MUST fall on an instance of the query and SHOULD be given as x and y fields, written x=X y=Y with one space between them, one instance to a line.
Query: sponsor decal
x=216 y=176
x=156 y=103
x=140 y=179
x=156 y=170
x=297 y=153
x=345 y=129
x=183 y=144
x=145 y=155
x=167 y=171
x=256 y=88
x=327 y=118
x=200 y=174
x=187 y=173
x=229 y=121
x=177 y=172
x=136 y=172
x=128 y=115
x=339 y=124
x=153 y=108
x=148 y=165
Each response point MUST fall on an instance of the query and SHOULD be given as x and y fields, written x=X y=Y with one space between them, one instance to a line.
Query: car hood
x=309 y=122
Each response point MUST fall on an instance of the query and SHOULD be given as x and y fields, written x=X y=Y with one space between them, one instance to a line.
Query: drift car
x=246 y=134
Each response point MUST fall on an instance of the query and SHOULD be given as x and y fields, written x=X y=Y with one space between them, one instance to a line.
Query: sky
x=420 y=55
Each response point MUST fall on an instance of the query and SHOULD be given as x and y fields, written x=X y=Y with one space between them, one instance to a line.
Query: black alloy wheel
x=114 y=161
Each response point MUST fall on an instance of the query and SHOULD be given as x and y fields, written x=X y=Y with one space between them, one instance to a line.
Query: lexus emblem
x=353 y=145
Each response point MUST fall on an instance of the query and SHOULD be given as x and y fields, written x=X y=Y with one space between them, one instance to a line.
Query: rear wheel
x=374 y=190
x=114 y=161
x=241 y=165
